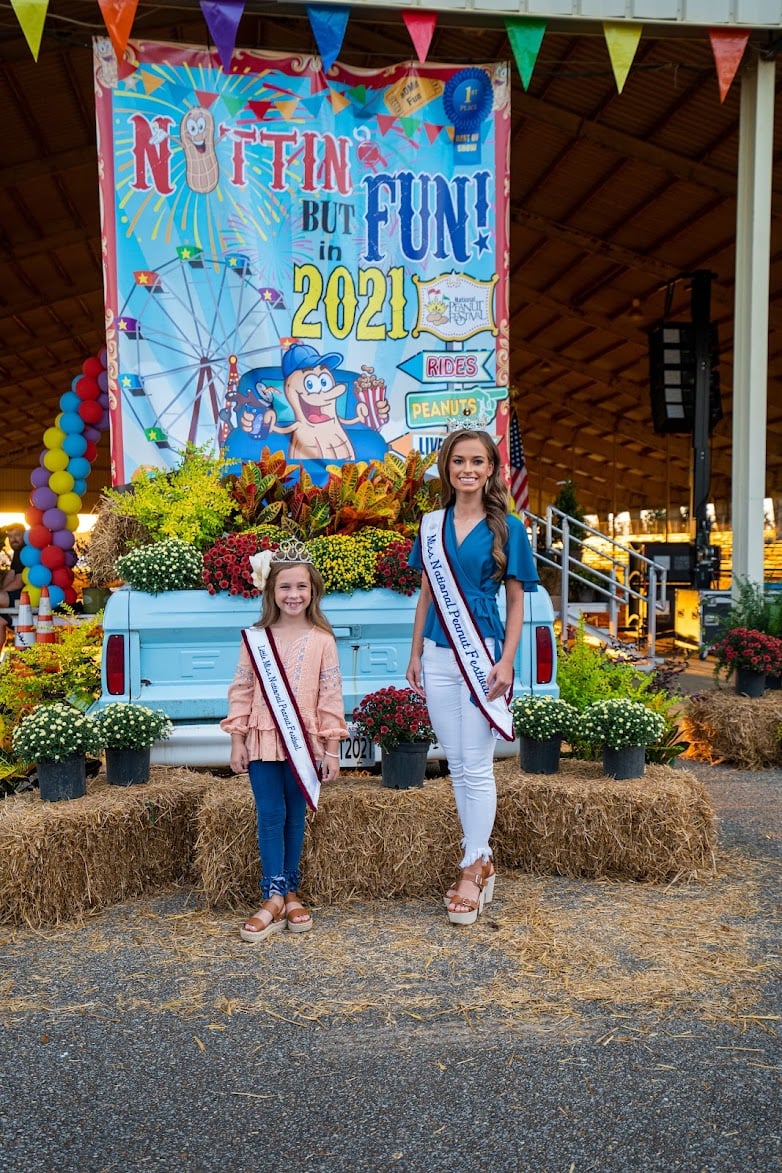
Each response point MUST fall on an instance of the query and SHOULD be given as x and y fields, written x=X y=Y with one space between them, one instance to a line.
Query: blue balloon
x=29 y=556
x=39 y=576
x=75 y=380
x=71 y=422
x=79 y=488
x=78 y=467
x=70 y=401
x=75 y=445
x=56 y=595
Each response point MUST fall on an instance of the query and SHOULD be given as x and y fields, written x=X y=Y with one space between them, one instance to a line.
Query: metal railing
x=559 y=549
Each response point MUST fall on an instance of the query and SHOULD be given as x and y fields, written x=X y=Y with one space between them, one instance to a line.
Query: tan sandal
x=489 y=876
x=257 y=929
x=467 y=910
x=295 y=908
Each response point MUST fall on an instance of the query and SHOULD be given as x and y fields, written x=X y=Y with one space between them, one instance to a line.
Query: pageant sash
x=462 y=632
x=285 y=713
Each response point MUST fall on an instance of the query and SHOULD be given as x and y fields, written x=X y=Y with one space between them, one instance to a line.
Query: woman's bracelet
x=329 y=754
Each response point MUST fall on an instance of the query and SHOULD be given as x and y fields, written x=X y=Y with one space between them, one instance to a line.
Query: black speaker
x=672 y=377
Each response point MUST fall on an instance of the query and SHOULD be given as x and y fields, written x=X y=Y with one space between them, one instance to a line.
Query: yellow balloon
x=35 y=595
x=55 y=459
x=72 y=522
x=61 y=482
x=69 y=503
x=53 y=438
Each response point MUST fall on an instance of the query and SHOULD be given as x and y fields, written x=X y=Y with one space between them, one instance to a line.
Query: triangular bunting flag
x=312 y=105
x=338 y=101
x=233 y=104
x=206 y=98
x=526 y=37
x=421 y=26
x=151 y=81
x=728 y=49
x=328 y=28
x=385 y=122
x=432 y=130
x=622 y=41
x=118 y=17
x=31 y=15
x=409 y=125
x=222 y=19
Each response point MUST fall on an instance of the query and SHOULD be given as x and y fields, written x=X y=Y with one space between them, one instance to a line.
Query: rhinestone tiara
x=291 y=550
x=466 y=421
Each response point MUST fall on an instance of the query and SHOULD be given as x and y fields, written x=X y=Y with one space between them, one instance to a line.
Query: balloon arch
x=59 y=483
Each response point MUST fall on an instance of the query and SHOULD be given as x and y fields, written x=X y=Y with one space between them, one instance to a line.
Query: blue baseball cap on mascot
x=301 y=357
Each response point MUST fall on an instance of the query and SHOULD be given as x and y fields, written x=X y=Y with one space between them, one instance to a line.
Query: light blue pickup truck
x=178 y=651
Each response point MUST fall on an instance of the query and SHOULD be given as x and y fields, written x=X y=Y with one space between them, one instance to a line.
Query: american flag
x=519 y=482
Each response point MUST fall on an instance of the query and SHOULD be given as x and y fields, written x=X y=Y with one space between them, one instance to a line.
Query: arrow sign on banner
x=443 y=366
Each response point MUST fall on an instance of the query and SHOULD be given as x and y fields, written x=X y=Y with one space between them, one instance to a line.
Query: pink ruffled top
x=312 y=667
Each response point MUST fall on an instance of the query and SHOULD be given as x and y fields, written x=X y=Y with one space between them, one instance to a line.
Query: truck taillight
x=115 y=665
x=544 y=655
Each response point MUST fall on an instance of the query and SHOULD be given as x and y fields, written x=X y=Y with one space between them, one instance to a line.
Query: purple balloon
x=71 y=558
x=91 y=433
x=103 y=357
x=103 y=380
x=39 y=477
x=63 y=539
x=54 y=519
x=43 y=498
x=104 y=421
x=103 y=399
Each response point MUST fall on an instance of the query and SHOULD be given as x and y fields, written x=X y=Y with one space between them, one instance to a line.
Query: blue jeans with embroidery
x=281 y=811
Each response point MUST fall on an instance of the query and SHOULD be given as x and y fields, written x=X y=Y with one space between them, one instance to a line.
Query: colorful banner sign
x=317 y=265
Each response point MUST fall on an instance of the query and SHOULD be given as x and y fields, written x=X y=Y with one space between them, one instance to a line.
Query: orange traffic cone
x=44 y=632
x=24 y=632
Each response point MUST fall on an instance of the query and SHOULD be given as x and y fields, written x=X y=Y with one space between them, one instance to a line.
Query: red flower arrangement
x=227 y=564
x=745 y=648
x=392 y=571
x=391 y=716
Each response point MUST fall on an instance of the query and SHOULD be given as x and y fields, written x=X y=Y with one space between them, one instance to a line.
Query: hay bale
x=365 y=842
x=368 y=843
x=110 y=538
x=61 y=860
x=722 y=726
x=581 y=823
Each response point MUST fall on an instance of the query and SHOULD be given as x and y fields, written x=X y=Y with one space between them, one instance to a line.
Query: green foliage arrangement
x=67 y=670
x=171 y=565
x=192 y=502
x=543 y=717
x=129 y=726
x=56 y=731
x=619 y=722
x=754 y=609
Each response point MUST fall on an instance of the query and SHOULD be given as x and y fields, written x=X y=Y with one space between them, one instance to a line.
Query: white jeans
x=468 y=744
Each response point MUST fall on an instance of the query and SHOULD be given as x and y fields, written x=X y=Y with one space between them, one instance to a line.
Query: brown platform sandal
x=295 y=908
x=469 y=908
x=489 y=876
x=261 y=928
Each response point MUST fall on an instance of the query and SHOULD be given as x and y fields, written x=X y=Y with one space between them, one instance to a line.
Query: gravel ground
x=579 y=1026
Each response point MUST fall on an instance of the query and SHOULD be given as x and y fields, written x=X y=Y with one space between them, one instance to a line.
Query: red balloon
x=33 y=516
x=90 y=411
x=92 y=367
x=87 y=388
x=91 y=451
x=52 y=557
x=62 y=577
x=70 y=595
x=39 y=536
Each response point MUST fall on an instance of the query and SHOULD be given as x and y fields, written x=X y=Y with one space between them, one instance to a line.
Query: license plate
x=356 y=750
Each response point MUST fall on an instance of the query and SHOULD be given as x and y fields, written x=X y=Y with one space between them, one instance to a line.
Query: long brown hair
x=495 y=493
x=271 y=612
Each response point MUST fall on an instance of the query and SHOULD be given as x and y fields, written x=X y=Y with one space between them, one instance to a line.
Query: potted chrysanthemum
x=624 y=728
x=57 y=737
x=752 y=655
x=129 y=732
x=397 y=720
x=171 y=565
x=541 y=723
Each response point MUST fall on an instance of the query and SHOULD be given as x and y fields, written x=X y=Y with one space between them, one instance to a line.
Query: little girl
x=286 y=717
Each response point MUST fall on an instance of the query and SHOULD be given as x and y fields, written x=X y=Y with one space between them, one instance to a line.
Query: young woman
x=286 y=717
x=462 y=654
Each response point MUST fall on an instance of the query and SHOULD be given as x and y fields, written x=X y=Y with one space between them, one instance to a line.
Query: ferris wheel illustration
x=186 y=332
